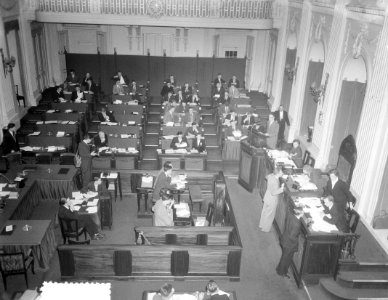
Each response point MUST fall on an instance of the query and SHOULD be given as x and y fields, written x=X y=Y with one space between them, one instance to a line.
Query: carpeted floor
x=261 y=253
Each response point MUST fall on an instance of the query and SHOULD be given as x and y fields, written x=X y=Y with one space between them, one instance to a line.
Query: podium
x=252 y=160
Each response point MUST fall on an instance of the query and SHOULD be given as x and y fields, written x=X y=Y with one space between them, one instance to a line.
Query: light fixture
x=291 y=72
x=8 y=63
x=319 y=93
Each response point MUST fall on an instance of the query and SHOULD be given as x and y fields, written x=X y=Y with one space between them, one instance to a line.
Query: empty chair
x=14 y=264
x=66 y=159
x=71 y=229
x=308 y=159
x=44 y=158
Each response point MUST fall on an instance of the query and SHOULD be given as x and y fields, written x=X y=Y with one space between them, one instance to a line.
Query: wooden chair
x=308 y=159
x=14 y=264
x=195 y=196
x=71 y=229
x=353 y=218
x=66 y=159
x=44 y=158
x=20 y=98
x=75 y=242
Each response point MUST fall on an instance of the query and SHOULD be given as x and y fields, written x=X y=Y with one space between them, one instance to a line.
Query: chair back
x=69 y=227
x=12 y=263
x=44 y=158
x=209 y=214
x=75 y=242
x=66 y=159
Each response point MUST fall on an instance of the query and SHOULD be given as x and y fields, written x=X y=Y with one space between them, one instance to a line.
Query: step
x=211 y=141
x=333 y=288
x=210 y=129
x=151 y=141
x=153 y=119
x=148 y=165
x=207 y=119
x=214 y=154
x=152 y=128
x=155 y=109
x=363 y=279
x=363 y=266
x=150 y=154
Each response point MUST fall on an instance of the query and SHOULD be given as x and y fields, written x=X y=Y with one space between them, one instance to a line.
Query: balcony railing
x=227 y=9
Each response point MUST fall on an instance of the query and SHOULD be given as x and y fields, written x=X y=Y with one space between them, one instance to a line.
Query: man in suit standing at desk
x=10 y=143
x=281 y=116
x=163 y=180
x=339 y=190
x=86 y=160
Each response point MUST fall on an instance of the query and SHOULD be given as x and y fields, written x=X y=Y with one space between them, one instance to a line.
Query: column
x=297 y=92
x=372 y=133
x=323 y=131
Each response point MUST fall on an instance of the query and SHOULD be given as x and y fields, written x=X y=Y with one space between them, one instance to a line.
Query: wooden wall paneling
x=156 y=75
x=229 y=67
x=122 y=263
x=183 y=69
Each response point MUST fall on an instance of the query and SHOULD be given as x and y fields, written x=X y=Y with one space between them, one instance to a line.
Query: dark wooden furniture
x=184 y=161
x=15 y=264
x=71 y=229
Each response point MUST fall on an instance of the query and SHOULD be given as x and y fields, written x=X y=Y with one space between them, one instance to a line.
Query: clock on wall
x=155 y=8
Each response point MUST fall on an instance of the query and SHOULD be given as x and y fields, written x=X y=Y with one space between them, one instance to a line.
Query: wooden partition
x=156 y=69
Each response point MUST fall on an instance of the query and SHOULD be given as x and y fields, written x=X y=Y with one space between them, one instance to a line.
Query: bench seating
x=156 y=262
x=189 y=235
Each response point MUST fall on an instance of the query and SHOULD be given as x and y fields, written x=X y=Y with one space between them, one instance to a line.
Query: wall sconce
x=8 y=63
x=319 y=93
x=291 y=72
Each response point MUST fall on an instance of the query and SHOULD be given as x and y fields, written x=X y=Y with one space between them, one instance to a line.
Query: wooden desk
x=40 y=238
x=231 y=150
x=184 y=161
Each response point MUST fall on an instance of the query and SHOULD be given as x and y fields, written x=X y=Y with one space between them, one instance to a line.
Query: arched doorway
x=350 y=104
x=313 y=78
x=289 y=71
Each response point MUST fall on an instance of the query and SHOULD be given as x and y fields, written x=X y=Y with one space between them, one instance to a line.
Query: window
x=230 y=54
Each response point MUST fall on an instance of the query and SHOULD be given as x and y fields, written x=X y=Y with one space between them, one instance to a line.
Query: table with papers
x=182 y=214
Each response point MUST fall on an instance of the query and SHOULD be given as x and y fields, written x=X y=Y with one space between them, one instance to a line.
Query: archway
x=350 y=104
x=313 y=78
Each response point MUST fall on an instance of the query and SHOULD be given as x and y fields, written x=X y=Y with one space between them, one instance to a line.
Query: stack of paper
x=60 y=134
x=50 y=111
x=52 y=122
x=72 y=122
x=92 y=209
x=182 y=210
x=13 y=195
x=131 y=122
x=117 y=101
x=51 y=148
x=200 y=221
x=35 y=133
x=26 y=148
x=170 y=124
x=76 y=195
x=125 y=136
x=39 y=122
x=94 y=202
x=68 y=111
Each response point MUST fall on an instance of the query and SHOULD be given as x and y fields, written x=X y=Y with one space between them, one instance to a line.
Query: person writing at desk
x=334 y=214
x=163 y=180
x=199 y=143
x=214 y=291
x=193 y=130
x=86 y=160
x=271 y=199
x=296 y=153
x=66 y=212
x=106 y=116
x=77 y=95
x=179 y=142
x=57 y=94
x=163 y=214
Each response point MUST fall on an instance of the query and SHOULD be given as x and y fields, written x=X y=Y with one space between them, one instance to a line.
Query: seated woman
x=77 y=95
x=214 y=291
x=101 y=140
x=296 y=153
x=163 y=213
x=167 y=292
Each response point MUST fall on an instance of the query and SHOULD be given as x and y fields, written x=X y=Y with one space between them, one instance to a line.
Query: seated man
x=163 y=213
x=232 y=130
x=199 y=143
x=57 y=94
x=193 y=99
x=187 y=92
x=231 y=117
x=333 y=214
x=234 y=81
x=66 y=211
x=179 y=97
x=193 y=130
x=72 y=78
x=106 y=116
x=248 y=119
x=179 y=142
x=77 y=95
x=101 y=140
x=191 y=117
x=233 y=92
x=218 y=93
x=169 y=116
x=214 y=291
x=172 y=81
x=167 y=88
x=99 y=186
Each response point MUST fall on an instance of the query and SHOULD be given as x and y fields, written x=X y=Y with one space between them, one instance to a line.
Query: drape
x=314 y=74
x=287 y=84
x=348 y=115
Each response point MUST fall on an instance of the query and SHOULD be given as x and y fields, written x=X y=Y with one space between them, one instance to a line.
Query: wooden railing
x=230 y=9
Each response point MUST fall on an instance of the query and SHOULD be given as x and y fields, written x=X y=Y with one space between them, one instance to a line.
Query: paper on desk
x=61 y=148
x=92 y=209
x=72 y=122
x=91 y=194
x=111 y=175
x=76 y=201
x=169 y=151
x=135 y=112
x=182 y=210
x=51 y=148
x=132 y=150
x=117 y=101
x=3 y=185
x=68 y=111
x=39 y=122
x=13 y=195
x=103 y=149
x=76 y=208
x=200 y=221
x=168 y=137
x=50 y=111
x=64 y=122
x=26 y=148
x=111 y=123
x=17 y=179
x=125 y=136
x=35 y=133
x=170 y=124
x=60 y=134
x=3 y=194
x=94 y=202
x=76 y=195
x=131 y=122
x=121 y=150
x=51 y=122
x=8 y=228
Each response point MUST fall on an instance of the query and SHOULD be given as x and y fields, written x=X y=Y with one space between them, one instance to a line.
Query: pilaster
x=326 y=110
x=297 y=92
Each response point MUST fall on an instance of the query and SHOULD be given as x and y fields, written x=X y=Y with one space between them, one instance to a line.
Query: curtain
x=383 y=194
x=314 y=74
x=348 y=115
x=287 y=84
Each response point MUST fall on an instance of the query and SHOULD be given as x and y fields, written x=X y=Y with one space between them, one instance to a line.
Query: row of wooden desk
x=43 y=183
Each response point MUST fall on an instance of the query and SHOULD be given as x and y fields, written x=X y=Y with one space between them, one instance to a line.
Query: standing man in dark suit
x=289 y=244
x=86 y=161
x=10 y=142
x=339 y=190
x=163 y=180
x=281 y=116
